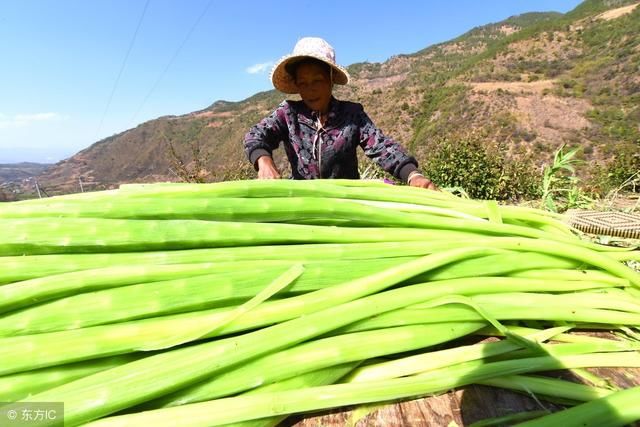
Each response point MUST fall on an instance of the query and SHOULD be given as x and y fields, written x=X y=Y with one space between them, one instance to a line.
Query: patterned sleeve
x=265 y=136
x=387 y=153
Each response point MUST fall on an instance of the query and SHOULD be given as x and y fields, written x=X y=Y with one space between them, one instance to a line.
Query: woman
x=320 y=133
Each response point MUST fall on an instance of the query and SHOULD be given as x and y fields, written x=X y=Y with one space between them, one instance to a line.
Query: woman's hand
x=267 y=169
x=422 y=182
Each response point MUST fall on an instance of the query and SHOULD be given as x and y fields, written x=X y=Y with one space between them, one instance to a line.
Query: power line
x=175 y=55
x=126 y=57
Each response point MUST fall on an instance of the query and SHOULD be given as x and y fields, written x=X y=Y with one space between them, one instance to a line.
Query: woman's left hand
x=422 y=182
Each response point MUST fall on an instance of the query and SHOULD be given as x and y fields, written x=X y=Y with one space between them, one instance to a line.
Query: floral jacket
x=315 y=151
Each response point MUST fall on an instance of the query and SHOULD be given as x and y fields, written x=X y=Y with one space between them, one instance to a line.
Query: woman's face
x=314 y=86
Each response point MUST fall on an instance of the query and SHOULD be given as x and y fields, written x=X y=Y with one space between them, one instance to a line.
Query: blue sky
x=75 y=71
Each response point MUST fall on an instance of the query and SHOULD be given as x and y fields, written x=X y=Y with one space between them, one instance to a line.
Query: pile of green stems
x=241 y=303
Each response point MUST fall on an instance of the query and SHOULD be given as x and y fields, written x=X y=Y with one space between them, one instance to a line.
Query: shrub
x=237 y=171
x=616 y=123
x=481 y=169
x=624 y=167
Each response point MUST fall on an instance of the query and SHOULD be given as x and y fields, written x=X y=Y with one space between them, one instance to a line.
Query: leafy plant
x=236 y=171
x=481 y=168
x=560 y=189
x=616 y=123
x=191 y=167
x=622 y=173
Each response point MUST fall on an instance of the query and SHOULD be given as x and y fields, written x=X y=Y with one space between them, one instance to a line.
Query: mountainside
x=524 y=86
x=12 y=172
x=16 y=179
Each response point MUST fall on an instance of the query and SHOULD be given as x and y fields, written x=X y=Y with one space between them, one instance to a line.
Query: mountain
x=16 y=179
x=12 y=172
x=523 y=87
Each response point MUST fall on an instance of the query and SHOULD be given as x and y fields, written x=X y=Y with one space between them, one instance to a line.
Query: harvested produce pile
x=243 y=302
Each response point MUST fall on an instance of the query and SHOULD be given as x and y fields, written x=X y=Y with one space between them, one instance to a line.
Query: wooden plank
x=456 y=408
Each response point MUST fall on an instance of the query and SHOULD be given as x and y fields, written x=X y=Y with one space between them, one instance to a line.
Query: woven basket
x=618 y=224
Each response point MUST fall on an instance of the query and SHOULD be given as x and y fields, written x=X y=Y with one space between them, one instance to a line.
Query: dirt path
x=616 y=13
x=533 y=87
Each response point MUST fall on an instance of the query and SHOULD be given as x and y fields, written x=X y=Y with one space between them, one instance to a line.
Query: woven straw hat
x=307 y=47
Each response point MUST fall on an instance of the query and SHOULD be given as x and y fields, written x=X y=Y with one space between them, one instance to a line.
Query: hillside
x=13 y=172
x=17 y=178
x=521 y=87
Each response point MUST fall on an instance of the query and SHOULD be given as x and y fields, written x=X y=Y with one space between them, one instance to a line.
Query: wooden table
x=456 y=408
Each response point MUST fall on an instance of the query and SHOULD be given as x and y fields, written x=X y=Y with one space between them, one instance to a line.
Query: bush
x=237 y=171
x=622 y=172
x=481 y=169
x=616 y=123
x=624 y=167
x=6 y=196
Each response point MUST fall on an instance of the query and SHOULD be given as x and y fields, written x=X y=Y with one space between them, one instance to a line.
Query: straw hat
x=307 y=47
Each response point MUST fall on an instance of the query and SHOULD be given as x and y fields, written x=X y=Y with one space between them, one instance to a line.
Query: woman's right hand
x=267 y=169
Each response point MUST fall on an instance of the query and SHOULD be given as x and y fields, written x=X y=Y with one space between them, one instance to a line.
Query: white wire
x=124 y=62
x=175 y=55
